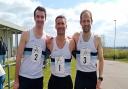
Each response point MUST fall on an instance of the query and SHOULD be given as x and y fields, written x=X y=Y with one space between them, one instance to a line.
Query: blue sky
x=62 y=3
x=104 y=12
x=68 y=3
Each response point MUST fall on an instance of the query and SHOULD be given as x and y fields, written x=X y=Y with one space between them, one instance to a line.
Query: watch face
x=100 y=78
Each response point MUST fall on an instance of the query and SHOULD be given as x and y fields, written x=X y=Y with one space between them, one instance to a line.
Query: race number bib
x=59 y=64
x=36 y=53
x=85 y=56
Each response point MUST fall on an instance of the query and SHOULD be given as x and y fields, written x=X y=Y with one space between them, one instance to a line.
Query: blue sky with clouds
x=104 y=12
x=62 y=3
x=69 y=3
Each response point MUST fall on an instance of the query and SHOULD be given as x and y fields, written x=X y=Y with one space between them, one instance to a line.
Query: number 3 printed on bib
x=36 y=53
x=85 y=56
x=59 y=64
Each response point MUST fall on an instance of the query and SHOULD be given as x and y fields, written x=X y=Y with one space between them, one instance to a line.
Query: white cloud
x=18 y=11
x=21 y=12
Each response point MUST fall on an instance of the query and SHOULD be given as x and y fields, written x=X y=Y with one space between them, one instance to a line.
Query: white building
x=7 y=30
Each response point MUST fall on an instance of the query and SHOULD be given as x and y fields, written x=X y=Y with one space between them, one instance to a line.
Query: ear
x=80 y=22
x=66 y=25
x=55 y=26
x=34 y=18
x=91 y=21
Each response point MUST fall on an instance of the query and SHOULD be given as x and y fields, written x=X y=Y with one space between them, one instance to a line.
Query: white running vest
x=32 y=62
x=57 y=52
x=91 y=66
x=2 y=72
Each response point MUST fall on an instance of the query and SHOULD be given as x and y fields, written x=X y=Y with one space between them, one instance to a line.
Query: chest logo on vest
x=59 y=64
x=36 y=53
x=85 y=56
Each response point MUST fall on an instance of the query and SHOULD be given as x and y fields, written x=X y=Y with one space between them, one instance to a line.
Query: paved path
x=115 y=75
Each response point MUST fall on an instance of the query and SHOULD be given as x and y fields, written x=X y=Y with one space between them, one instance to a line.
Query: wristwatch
x=100 y=78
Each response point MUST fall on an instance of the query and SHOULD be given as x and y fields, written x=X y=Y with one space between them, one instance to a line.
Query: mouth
x=40 y=22
x=61 y=29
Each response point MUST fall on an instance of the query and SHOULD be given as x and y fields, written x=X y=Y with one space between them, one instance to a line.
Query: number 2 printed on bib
x=85 y=56
x=59 y=64
x=36 y=53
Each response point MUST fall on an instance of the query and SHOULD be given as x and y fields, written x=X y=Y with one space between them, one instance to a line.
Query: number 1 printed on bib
x=85 y=56
x=59 y=64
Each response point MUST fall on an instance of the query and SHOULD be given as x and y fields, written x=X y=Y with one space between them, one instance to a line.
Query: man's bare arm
x=49 y=43
x=20 y=54
x=100 y=57
x=72 y=45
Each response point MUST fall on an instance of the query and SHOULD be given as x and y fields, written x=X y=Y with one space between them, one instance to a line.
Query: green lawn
x=46 y=73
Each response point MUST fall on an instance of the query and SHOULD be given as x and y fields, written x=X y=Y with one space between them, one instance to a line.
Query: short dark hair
x=60 y=16
x=86 y=11
x=40 y=9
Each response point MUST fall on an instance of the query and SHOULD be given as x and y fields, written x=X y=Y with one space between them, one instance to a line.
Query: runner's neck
x=60 y=41
x=38 y=32
x=86 y=36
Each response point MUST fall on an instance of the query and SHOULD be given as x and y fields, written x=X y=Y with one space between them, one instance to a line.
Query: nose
x=40 y=19
x=60 y=25
x=86 y=23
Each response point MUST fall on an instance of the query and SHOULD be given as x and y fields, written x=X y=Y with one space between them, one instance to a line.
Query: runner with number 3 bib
x=89 y=49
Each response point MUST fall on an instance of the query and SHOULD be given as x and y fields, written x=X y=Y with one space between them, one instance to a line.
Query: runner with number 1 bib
x=61 y=48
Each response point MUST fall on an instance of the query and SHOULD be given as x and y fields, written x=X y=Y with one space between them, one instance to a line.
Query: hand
x=16 y=85
x=98 y=86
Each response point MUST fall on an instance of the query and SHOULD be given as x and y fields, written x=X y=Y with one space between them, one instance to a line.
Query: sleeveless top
x=91 y=66
x=32 y=62
x=57 y=52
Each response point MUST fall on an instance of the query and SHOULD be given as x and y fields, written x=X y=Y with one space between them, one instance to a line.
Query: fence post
x=8 y=66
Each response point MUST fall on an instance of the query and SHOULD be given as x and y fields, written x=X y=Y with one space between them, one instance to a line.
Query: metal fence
x=9 y=82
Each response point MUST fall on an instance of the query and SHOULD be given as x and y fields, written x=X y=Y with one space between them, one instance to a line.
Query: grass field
x=119 y=53
x=47 y=73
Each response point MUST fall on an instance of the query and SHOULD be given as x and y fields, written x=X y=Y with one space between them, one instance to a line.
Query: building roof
x=10 y=26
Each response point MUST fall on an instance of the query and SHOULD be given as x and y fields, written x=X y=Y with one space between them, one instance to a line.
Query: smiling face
x=39 y=18
x=60 y=25
x=86 y=21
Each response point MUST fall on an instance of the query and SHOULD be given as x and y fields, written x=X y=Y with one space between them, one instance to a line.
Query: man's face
x=61 y=26
x=86 y=22
x=39 y=18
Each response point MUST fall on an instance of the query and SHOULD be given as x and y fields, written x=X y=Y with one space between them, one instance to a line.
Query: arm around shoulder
x=49 y=43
